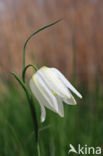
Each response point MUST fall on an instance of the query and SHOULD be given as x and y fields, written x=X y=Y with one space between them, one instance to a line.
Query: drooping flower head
x=51 y=89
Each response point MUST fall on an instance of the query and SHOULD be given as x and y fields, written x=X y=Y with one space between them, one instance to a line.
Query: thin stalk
x=38 y=149
x=25 y=68
x=23 y=84
x=25 y=44
x=32 y=109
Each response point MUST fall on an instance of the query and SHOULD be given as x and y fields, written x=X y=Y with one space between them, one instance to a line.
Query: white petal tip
x=42 y=120
x=43 y=113
x=80 y=96
x=75 y=103
x=62 y=116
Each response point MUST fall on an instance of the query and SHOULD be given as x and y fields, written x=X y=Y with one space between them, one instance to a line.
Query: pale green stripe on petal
x=39 y=98
x=70 y=101
x=60 y=106
x=35 y=90
x=66 y=82
x=47 y=94
x=53 y=82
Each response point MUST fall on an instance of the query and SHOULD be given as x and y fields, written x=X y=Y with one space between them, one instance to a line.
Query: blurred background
x=75 y=47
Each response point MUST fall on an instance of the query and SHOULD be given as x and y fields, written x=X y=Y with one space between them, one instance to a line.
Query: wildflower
x=51 y=89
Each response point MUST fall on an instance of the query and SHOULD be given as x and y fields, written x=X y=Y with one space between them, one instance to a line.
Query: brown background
x=75 y=44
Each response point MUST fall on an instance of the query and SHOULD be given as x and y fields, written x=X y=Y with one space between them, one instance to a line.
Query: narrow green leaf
x=31 y=104
x=22 y=84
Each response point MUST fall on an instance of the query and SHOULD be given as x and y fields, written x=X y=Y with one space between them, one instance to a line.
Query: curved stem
x=25 y=68
x=25 y=44
x=22 y=83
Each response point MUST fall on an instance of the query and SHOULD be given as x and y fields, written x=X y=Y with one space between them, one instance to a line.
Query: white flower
x=51 y=88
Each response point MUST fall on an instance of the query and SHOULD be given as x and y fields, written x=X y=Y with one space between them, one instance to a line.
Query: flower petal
x=43 y=102
x=43 y=113
x=39 y=96
x=60 y=105
x=46 y=93
x=53 y=82
x=40 y=100
x=70 y=101
x=66 y=82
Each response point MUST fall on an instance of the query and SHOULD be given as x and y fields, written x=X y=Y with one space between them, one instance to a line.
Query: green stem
x=25 y=44
x=38 y=149
x=32 y=108
x=28 y=93
x=22 y=83
x=25 y=68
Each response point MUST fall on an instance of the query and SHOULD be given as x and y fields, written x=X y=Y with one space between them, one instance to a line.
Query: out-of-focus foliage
x=82 y=124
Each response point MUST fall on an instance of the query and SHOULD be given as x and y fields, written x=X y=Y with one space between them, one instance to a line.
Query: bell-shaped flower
x=51 y=89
